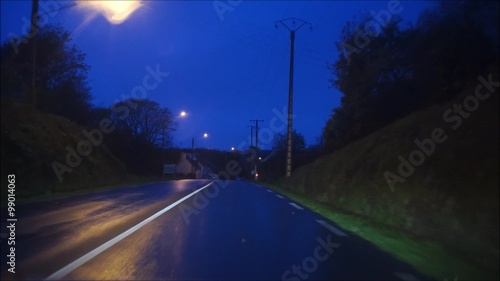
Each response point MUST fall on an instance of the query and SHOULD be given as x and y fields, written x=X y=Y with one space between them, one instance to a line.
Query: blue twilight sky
x=224 y=68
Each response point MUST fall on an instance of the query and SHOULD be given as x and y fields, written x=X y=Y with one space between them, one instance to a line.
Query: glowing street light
x=232 y=148
x=183 y=114
x=205 y=135
x=115 y=11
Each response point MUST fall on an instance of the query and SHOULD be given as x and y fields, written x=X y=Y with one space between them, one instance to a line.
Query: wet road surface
x=190 y=229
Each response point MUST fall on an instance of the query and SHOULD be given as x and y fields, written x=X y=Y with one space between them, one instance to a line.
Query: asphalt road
x=189 y=229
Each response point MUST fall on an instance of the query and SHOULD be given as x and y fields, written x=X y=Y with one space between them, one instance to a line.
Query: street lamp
x=184 y=114
x=205 y=135
x=115 y=11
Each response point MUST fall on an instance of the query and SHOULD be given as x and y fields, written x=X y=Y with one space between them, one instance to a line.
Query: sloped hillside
x=31 y=141
x=433 y=174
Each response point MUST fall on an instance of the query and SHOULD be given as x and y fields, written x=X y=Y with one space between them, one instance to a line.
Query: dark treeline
x=141 y=130
x=272 y=166
x=395 y=71
x=391 y=72
x=142 y=138
x=60 y=74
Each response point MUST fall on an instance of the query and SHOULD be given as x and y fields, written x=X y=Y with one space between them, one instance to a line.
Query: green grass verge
x=427 y=257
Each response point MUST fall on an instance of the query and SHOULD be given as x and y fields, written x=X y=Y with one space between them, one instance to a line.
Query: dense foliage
x=388 y=73
x=143 y=132
x=273 y=164
x=60 y=74
x=140 y=130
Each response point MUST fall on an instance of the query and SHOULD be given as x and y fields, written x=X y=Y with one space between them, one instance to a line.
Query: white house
x=188 y=164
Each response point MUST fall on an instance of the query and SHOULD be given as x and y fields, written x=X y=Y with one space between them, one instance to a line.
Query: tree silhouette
x=145 y=122
x=397 y=71
x=142 y=134
x=60 y=78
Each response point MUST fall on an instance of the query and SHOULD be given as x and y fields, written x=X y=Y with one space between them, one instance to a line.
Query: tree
x=397 y=71
x=146 y=122
x=375 y=82
x=142 y=134
x=298 y=142
x=274 y=167
x=60 y=78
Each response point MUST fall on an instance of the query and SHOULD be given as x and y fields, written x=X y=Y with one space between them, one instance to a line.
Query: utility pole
x=256 y=131
x=192 y=155
x=251 y=135
x=292 y=30
x=34 y=30
x=256 y=144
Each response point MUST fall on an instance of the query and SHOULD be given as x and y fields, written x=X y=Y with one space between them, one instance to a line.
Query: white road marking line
x=279 y=196
x=405 y=276
x=85 y=258
x=331 y=228
x=256 y=185
x=268 y=190
x=296 y=206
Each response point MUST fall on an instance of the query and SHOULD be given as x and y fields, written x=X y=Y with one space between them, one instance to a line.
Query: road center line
x=331 y=228
x=85 y=258
x=279 y=196
x=268 y=190
x=296 y=206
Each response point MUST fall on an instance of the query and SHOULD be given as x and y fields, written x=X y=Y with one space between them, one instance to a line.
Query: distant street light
x=205 y=135
x=232 y=148
x=183 y=114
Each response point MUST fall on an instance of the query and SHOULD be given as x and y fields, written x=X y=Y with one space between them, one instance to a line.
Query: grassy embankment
x=443 y=218
x=429 y=257
x=32 y=141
